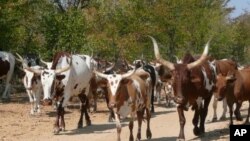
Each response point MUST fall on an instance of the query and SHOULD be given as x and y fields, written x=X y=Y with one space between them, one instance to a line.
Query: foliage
x=114 y=27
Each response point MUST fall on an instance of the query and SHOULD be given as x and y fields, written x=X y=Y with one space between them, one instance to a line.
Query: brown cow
x=236 y=88
x=129 y=93
x=193 y=82
x=223 y=67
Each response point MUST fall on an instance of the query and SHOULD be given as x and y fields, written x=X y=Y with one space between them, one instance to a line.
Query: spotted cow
x=129 y=93
x=193 y=82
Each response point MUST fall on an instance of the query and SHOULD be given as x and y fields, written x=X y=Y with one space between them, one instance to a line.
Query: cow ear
x=60 y=77
x=126 y=81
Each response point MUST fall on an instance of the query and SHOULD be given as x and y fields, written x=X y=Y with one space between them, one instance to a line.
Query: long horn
x=20 y=58
x=128 y=73
x=201 y=59
x=158 y=56
x=101 y=74
x=36 y=71
x=65 y=68
x=44 y=62
x=110 y=68
x=178 y=61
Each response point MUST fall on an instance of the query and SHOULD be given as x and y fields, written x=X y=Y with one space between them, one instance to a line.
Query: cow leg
x=215 y=102
x=237 y=111
x=111 y=113
x=139 y=118
x=31 y=102
x=6 y=90
x=84 y=102
x=247 y=119
x=152 y=101
x=230 y=106
x=182 y=121
x=118 y=127
x=87 y=118
x=38 y=97
x=223 y=117
x=148 y=133
x=203 y=113
x=195 y=120
x=59 y=110
x=131 y=126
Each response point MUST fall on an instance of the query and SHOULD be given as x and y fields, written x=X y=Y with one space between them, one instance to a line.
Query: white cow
x=68 y=76
x=33 y=86
x=7 y=63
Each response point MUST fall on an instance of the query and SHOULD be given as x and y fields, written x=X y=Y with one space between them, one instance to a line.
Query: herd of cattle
x=130 y=89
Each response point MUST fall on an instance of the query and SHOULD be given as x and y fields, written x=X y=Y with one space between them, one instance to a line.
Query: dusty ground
x=16 y=124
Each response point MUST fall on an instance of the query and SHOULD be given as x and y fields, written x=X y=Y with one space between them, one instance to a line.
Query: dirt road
x=16 y=124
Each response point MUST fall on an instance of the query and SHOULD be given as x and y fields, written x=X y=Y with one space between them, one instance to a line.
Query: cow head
x=30 y=77
x=181 y=73
x=48 y=77
x=114 y=82
x=222 y=82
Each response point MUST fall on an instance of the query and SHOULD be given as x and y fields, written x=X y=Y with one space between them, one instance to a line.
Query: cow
x=223 y=67
x=193 y=84
x=32 y=84
x=154 y=78
x=129 y=93
x=7 y=63
x=236 y=88
x=69 y=75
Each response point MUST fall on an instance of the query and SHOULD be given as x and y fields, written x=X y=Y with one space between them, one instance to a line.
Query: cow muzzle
x=47 y=102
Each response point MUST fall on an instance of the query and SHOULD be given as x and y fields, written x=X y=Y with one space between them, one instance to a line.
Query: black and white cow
x=7 y=63
x=68 y=76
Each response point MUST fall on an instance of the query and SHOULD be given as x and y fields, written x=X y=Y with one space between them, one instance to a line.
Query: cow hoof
x=56 y=131
x=149 y=134
x=88 y=123
x=239 y=118
x=246 y=123
x=62 y=129
x=79 y=126
x=152 y=111
x=180 y=139
x=196 y=131
x=131 y=138
x=214 y=119
x=223 y=118
x=138 y=137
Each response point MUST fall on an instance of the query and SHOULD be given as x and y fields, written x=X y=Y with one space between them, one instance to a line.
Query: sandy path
x=17 y=124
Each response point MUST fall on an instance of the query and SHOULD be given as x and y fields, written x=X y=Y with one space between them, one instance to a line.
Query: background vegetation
x=109 y=27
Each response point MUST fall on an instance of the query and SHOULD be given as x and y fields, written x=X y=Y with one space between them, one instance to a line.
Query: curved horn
x=101 y=74
x=36 y=71
x=128 y=73
x=110 y=68
x=178 y=61
x=201 y=59
x=20 y=58
x=65 y=68
x=44 y=62
x=158 y=56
